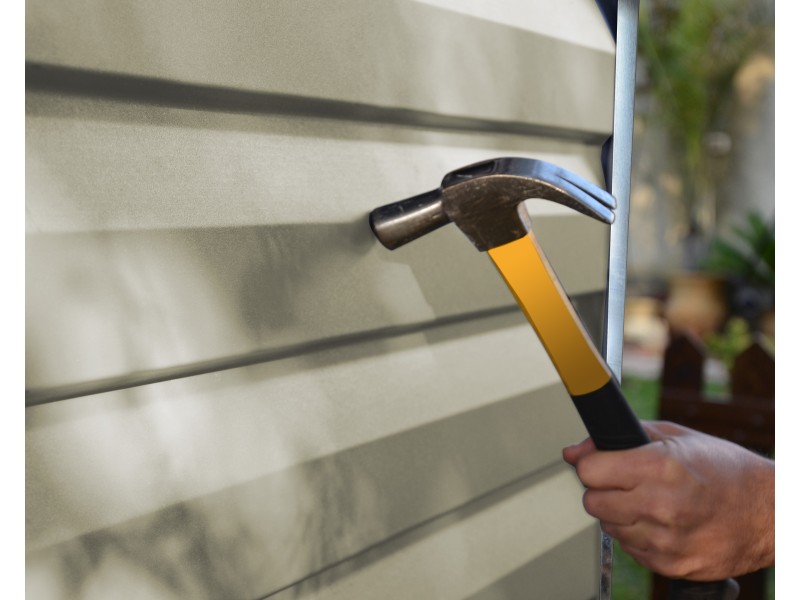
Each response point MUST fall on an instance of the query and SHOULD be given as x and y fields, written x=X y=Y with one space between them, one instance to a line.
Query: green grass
x=642 y=395
x=629 y=580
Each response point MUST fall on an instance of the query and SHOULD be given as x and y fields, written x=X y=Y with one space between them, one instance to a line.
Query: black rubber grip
x=703 y=590
x=609 y=419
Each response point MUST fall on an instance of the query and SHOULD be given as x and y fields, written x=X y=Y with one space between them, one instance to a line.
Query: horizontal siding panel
x=574 y=21
x=108 y=164
x=469 y=553
x=173 y=237
x=523 y=66
x=192 y=550
x=261 y=476
x=133 y=302
x=569 y=571
x=157 y=445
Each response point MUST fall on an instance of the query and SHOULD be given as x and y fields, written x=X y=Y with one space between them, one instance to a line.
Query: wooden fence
x=746 y=415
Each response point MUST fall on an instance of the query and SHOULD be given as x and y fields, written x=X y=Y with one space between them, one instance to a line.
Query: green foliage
x=749 y=257
x=691 y=51
x=732 y=341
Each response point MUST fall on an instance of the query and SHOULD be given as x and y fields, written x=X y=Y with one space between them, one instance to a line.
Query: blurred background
x=700 y=316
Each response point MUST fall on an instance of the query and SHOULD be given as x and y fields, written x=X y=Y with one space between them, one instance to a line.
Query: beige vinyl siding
x=306 y=475
x=399 y=54
x=461 y=556
x=259 y=254
x=233 y=391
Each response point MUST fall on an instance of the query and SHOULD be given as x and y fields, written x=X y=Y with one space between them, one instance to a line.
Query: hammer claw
x=586 y=202
x=597 y=192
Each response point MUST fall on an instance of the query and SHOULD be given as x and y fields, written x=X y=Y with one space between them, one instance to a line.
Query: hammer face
x=398 y=223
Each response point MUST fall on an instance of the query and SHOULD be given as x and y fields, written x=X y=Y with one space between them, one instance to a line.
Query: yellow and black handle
x=609 y=419
x=594 y=390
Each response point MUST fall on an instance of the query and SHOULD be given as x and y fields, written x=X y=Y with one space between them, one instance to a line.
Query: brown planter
x=696 y=303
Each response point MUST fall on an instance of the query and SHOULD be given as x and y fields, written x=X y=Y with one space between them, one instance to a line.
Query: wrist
x=761 y=551
x=766 y=556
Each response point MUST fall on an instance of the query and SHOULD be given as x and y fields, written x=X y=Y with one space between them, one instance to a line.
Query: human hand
x=687 y=505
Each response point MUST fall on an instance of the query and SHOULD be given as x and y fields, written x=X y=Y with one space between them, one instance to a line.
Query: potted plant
x=746 y=258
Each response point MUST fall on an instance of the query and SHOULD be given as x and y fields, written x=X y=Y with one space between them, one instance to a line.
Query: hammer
x=485 y=201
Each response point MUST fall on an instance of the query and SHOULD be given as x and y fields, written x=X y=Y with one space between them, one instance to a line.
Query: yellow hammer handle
x=530 y=278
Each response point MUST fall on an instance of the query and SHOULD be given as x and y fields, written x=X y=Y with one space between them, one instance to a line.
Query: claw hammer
x=486 y=202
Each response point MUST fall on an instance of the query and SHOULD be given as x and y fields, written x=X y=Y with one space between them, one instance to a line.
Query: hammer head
x=485 y=200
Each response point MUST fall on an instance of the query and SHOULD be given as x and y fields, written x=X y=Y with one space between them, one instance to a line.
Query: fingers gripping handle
x=612 y=425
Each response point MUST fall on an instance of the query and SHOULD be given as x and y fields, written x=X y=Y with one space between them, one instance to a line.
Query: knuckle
x=584 y=470
x=678 y=567
x=659 y=509
x=665 y=512
x=663 y=542
x=580 y=471
x=669 y=469
x=591 y=503
x=644 y=559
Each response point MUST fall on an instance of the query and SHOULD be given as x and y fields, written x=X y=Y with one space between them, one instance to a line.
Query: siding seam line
x=46 y=395
x=73 y=81
x=503 y=490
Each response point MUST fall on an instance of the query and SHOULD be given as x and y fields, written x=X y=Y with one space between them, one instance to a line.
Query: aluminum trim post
x=624 y=87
